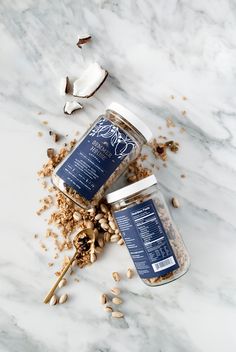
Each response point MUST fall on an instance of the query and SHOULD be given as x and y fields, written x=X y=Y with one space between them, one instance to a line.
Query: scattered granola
x=159 y=149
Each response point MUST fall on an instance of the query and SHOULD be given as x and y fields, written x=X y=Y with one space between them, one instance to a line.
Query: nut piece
x=101 y=242
x=117 y=315
x=77 y=216
x=116 y=276
x=108 y=309
x=50 y=153
x=104 y=208
x=115 y=291
x=63 y=298
x=83 y=39
x=98 y=250
x=53 y=300
x=71 y=106
x=103 y=298
x=175 y=202
x=93 y=257
x=121 y=242
x=90 y=81
x=115 y=238
x=107 y=236
x=117 y=300
x=129 y=273
x=55 y=136
x=62 y=283
x=99 y=216
x=64 y=85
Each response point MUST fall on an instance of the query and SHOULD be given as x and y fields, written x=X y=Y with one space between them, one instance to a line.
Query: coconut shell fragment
x=64 y=85
x=90 y=81
x=71 y=106
x=83 y=39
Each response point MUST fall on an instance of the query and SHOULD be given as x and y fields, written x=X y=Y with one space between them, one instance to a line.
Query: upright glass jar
x=147 y=228
x=101 y=155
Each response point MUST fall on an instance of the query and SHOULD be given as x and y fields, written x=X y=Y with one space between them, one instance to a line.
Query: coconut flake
x=72 y=106
x=83 y=39
x=64 y=85
x=90 y=81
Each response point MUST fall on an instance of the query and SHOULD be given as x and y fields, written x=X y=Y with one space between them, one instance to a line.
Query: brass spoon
x=88 y=232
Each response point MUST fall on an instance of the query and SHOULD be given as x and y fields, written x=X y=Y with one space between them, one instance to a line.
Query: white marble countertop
x=152 y=50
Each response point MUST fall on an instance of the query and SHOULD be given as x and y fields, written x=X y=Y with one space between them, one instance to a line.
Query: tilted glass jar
x=147 y=228
x=114 y=140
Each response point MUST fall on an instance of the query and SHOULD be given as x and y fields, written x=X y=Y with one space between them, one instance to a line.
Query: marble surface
x=152 y=50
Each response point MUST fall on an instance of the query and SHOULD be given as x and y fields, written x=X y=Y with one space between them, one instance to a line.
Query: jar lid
x=131 y=189
x=133 y=119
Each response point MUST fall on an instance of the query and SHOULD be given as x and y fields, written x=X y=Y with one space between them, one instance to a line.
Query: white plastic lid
x=133 y=119
x=131 y=189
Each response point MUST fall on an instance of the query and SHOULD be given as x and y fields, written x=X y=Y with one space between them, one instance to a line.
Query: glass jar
x=147 y=228
x=114 y=140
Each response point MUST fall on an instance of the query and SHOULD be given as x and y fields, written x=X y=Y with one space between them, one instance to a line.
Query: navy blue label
x=146 y=240
x=95 y=158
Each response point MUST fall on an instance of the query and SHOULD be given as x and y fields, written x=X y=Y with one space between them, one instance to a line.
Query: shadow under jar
x=104 y=152
x=147 y=228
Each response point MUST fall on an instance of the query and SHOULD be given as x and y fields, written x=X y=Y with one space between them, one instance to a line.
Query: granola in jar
x=147 y=228
x=114 y=140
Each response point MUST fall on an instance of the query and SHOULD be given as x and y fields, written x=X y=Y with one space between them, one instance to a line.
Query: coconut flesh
x=89 y=82
x=72 y=106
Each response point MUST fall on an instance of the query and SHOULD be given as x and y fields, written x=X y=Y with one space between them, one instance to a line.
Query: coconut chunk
x=64 y=85
x=90 y=81
x=72 y=106
x=83 y=39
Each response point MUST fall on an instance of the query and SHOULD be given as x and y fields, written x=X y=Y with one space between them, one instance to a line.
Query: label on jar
x=146 y=240
x=95 y=158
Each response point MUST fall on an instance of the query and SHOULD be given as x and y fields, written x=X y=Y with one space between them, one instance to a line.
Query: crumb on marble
x=182 y=130
x=184 y=112
x=40 y=134
x=172 y=97
x=44 y=184
x=170 y=122
x=182 y=175
x=43 y=246
x=184 y=98
x=45 y=122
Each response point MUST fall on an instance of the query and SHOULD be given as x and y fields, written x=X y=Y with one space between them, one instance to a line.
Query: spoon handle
x=51 y=292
